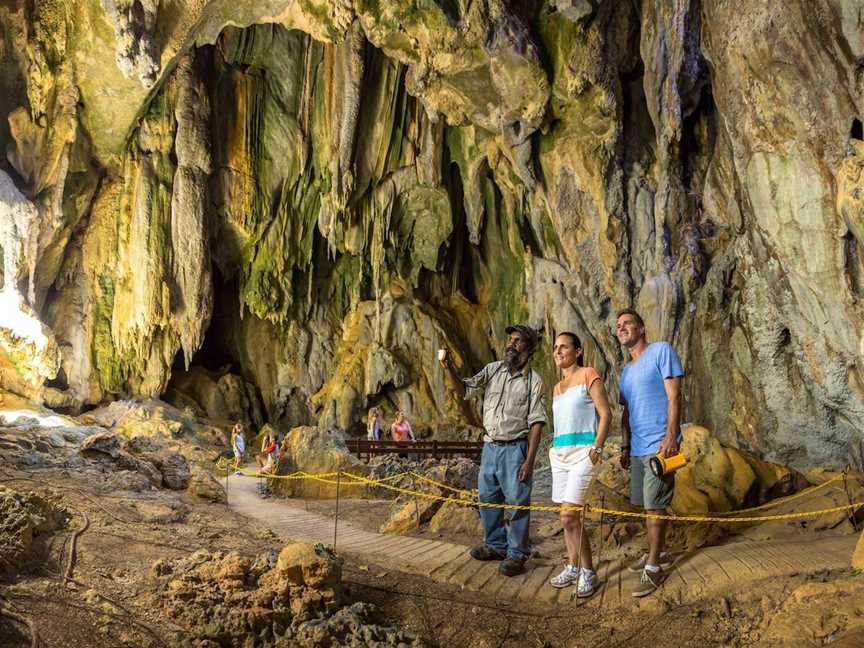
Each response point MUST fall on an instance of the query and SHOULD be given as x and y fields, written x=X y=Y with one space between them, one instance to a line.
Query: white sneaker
x=587 y=583
x=568 y=576
x=666 y=562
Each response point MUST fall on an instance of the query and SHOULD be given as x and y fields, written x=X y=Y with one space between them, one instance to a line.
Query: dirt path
x=708 y=572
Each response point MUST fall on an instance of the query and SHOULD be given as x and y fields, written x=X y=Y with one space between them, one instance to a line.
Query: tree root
x=22 y=620
x=72 y=553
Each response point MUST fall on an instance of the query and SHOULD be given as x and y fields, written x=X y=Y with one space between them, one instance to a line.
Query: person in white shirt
x=581 y=416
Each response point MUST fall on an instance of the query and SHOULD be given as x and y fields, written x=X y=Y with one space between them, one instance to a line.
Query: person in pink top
x=401 y=429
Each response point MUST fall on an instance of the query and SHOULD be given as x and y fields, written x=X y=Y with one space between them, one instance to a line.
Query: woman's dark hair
x=577 y=343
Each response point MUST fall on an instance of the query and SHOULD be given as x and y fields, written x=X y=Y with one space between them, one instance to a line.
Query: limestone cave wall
x=319 y=194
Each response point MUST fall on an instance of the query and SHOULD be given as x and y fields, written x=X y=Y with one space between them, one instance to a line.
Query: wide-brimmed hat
x=527 y=332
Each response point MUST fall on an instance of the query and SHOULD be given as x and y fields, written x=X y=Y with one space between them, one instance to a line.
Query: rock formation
x=293 y=599
x=316 y=451
x=319 y=194
x=24 y=517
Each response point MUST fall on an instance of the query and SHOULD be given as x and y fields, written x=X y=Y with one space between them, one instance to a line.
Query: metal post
x=581 y=535
x=416 y=507
x=600 y=548
x=851 y=514
x=336 y=519
x=579 y=547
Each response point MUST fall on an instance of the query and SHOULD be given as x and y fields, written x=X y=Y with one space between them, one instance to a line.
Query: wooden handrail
x=365 y=448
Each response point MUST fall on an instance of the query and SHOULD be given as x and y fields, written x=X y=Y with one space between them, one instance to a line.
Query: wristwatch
x=598 y=450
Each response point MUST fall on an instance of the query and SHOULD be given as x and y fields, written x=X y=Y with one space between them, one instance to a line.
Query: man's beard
x=514 y=359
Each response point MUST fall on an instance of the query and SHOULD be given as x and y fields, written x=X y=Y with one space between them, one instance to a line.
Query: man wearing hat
x=513 y=417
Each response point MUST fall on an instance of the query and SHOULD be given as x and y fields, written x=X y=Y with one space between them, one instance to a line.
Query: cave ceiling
x=319 y=195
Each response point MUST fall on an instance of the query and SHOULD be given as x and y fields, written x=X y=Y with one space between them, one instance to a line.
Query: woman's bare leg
x=571 y=522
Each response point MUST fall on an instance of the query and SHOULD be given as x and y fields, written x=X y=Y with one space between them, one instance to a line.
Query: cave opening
x=216 y=354
x=215 y=384
x=698 y=138
x=852 y=264
x=857 y=130
x=457 y=269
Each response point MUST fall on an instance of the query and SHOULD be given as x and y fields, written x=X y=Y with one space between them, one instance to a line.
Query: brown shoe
x=649 y=582
x=485 y=552
x=511 y=567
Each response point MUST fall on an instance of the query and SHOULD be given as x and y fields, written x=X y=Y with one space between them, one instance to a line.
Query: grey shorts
x=646 y=489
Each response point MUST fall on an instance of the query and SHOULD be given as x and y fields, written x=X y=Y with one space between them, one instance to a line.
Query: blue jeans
x=498 y=482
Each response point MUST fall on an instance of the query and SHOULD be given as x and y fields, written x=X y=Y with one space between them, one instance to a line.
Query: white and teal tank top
x=575 y=422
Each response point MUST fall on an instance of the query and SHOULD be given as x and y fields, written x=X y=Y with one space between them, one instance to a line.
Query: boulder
x=148 y=427
x=858 y=554
x=409 y=514
x=459 y=473
x=127 y=480
x=205 y=486
x=147 y=418
x=156 y=427
x=389 y=465
x=56 y=440
x=454 y=518
x=315 y=450
x=140 y=445
x=146 y=468
x=108 y=445
x=105 y=443
x=175 y=471
x=312 y=565
x=719 y=478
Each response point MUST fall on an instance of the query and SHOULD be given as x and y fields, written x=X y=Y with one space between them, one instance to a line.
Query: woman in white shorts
x=581 y=415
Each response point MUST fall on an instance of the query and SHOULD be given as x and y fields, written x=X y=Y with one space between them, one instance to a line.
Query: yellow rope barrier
x=730 y=517
x=788 y=498
x=472 y=492
x=324 y=478
x=772 y=504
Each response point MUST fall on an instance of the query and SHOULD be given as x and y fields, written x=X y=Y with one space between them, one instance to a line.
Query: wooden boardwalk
x=708 y=573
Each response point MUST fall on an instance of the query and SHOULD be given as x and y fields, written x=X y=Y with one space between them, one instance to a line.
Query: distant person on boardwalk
x=401 y=429
x=513 y=417
x=238 y=445
x=266 y=458
x=581 y=415
x=650 y=389
x=373 y=425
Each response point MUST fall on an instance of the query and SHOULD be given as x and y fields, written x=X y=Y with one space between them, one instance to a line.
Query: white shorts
x=570 y=485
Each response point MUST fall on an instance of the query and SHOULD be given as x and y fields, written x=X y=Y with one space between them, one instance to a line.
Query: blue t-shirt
x=643 y=391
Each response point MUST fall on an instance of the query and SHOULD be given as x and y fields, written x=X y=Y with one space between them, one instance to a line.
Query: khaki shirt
x=511 y=403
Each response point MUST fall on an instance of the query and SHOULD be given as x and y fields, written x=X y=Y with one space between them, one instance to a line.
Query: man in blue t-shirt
x=650 y=389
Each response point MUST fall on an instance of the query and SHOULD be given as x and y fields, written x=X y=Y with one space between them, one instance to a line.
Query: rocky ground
x=113 y=532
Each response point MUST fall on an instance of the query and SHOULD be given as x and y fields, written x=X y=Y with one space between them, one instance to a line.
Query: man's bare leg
x=656 y=536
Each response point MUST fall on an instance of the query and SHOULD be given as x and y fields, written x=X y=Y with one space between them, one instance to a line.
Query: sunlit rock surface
x=315 y=196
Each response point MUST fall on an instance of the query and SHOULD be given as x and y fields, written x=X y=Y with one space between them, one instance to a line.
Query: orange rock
x=858 y=554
